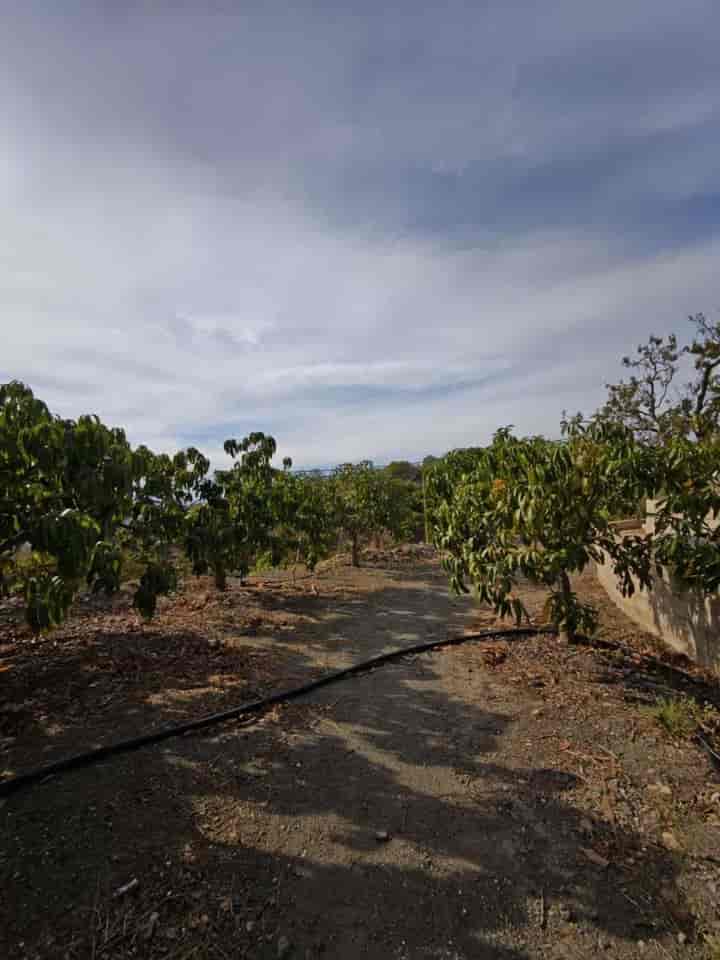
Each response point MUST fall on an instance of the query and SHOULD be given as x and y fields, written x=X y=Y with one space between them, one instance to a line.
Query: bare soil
x=498 y=799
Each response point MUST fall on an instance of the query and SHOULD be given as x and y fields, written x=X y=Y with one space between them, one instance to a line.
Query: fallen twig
x=587 y=756
x=706 y=745
x=126 y=888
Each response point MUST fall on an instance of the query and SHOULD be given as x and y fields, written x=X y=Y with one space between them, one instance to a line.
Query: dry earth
x=498 y=799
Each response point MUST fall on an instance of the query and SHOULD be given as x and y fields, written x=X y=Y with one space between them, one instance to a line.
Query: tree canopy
x=530 y=507
x=653 y=404
x=85 y=501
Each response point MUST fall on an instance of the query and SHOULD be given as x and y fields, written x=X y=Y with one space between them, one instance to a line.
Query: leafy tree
x=304 y=514
x=71 y=490
x=254 y=511
x=440 y=476
x=686 y=538
x=166 y=489
x=701 y=402
x=404 y=470
x=407 y=493
x=407 y=510
x=651 y=405
x=365 y=503
x=211 y=539
x=85 y=500
x=644 y=403
x=542 y=509
x=233 y=523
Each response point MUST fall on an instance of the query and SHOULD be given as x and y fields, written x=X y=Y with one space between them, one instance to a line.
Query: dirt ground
x=497 y=799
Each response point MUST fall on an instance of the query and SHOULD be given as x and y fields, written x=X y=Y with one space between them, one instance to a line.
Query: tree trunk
x=566 y=631
x=355 y=551
x=220 y=578
x=426 y=518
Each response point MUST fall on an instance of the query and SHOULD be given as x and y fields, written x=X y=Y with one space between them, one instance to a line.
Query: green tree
x=75 y=491
x=406 y=491
x=701 y=400
x=166 y=489
x=542 y=510
x=366 y=503
x=304 y=515
x=404 y=470
x=652 y=405
x=233 y=522
x=440 y=476
x=686 y=538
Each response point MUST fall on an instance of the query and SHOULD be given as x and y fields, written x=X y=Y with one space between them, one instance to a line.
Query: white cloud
x=165 y=262
x=209 y=315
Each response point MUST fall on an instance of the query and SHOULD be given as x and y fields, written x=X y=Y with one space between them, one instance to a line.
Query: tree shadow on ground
x=107 y=676
x=246 y=835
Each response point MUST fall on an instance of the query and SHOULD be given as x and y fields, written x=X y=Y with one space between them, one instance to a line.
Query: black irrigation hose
x=255 y=706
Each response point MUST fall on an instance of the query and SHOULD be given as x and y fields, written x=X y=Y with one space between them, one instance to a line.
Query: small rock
x=670 y=841
x=250 y=926
x=640 y=945
x=681 y=938
x=537 y=712
x=152 y=925
x=284 y=947
x=382 y=836
x=659 y=788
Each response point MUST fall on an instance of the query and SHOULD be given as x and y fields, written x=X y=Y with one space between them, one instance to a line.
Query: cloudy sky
x=373 y=230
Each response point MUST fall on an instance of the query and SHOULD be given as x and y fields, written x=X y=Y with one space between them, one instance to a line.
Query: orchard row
x=77 y=501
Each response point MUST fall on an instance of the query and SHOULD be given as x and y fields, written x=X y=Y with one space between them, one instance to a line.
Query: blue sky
x=374 y=232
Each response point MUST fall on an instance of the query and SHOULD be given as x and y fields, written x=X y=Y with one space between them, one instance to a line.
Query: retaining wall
x=685 y=620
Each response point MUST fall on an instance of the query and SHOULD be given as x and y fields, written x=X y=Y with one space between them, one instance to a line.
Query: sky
x=372 y=230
